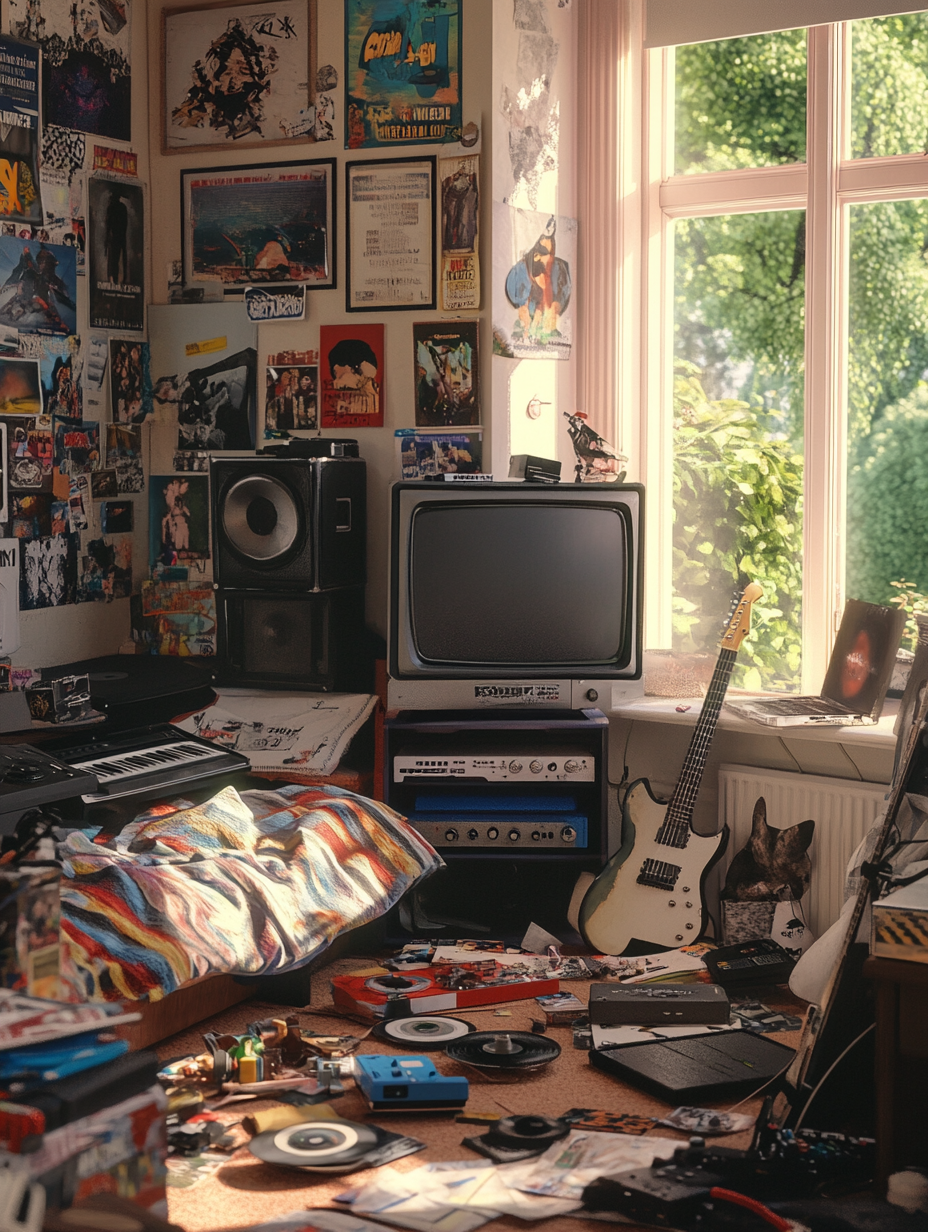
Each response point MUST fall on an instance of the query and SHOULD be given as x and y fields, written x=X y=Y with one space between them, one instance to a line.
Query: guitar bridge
x=659 y=874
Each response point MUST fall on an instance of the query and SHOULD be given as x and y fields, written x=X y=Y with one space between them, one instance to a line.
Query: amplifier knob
x=571 y=766
x=685 y=889
x=689 y=904
x=536 y=836
x=536 y=766
x=568 y=834
x=515 y=766
x=689 y=926
x=552 y=766
x=492 y=832
x=473 y=834
x=679 y=937
x=672 y=903
x=450 y=836
x=514 y=836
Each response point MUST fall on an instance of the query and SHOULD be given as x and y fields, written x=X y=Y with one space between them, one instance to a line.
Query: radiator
x=843 y=811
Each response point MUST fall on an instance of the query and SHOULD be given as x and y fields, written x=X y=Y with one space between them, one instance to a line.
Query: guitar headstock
x=739 y=626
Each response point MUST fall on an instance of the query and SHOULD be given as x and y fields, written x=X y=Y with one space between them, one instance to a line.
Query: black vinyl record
x=528 y=1131
x=504 y=1050
x=422 y=1032
x=391 y=985
x=318 y=1145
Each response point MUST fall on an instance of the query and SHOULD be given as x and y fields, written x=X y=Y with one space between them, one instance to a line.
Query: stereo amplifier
x=567 y=831
x=529 y=767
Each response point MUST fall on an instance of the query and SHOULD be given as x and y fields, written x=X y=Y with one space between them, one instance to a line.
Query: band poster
x=20 y=197
x=402 y=72
x=351 y=376
x=116 y=239
x=460 y=203
x=447 y=377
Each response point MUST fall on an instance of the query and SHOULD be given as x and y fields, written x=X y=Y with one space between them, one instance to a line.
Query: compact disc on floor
x=392 y=984
x=327 y=1144
x=421 y=1031
x=503 y=1049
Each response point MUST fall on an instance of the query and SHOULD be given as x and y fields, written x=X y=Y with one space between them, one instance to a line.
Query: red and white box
x=441 y=987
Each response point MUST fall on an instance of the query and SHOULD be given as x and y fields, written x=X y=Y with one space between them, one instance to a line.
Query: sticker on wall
x=352 y=379
x=280 y=305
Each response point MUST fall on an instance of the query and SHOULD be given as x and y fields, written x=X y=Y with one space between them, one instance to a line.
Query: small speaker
x=295 y=641
x=289 y=524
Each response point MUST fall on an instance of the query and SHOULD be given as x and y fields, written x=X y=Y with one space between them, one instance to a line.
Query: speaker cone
x=260 y=518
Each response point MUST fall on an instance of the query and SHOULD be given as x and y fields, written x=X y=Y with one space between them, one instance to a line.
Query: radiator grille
x=843 y=811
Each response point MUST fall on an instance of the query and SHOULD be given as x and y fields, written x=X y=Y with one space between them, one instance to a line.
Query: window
x=784 y=409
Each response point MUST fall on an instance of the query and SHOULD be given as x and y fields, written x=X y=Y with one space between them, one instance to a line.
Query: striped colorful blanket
x=251 y=884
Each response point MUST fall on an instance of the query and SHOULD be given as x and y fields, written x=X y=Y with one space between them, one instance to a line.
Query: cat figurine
x=773 y=864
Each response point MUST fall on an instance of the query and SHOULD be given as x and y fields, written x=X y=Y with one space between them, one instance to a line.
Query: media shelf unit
x=524 y=786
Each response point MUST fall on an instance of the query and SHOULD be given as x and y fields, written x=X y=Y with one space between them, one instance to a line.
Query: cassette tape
x=407 y=1084
x=443 y=986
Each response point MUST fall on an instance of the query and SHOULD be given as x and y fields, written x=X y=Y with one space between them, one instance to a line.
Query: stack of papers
x=30 y=1020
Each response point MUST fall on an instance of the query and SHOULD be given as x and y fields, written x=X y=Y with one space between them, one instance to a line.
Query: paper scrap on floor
x=305 y=732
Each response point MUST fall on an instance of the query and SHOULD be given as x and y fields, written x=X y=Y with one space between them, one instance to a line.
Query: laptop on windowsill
x=859 y=673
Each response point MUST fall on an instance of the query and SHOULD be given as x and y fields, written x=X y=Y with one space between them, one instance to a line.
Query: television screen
x=516 y=581
x=522 y=585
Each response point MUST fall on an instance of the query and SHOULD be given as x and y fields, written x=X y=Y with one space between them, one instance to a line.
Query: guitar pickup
x=659 y=874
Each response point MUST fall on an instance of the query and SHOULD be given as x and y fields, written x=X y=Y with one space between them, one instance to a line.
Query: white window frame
x=652 y=199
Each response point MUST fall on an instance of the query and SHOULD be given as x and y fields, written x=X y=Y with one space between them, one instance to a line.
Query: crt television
x=509 y=593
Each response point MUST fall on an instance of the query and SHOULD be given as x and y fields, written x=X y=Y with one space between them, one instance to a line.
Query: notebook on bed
x=859 y=672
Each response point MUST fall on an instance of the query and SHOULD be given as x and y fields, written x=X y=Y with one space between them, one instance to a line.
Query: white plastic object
x=22 y=1202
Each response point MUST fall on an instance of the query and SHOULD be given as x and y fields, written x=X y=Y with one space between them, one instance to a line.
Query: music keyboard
x=148 y=761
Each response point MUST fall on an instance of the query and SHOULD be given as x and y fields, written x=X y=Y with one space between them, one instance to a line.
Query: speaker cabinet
x=295 y=641
x=288 y=524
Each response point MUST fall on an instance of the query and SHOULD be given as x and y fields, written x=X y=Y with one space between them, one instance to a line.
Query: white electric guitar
x=652 y=888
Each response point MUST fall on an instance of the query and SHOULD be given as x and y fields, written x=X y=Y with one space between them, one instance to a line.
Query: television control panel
x=533 y=766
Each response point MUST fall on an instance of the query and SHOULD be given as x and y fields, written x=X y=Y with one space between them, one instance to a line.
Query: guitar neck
x=675 y=831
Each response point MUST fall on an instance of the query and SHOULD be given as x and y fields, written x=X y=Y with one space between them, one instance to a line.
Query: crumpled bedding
x=250 y=884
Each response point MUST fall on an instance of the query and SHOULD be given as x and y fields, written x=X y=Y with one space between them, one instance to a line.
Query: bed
x=253 y=884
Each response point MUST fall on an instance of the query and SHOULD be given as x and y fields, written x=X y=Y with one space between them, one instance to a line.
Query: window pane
x=889 y=85
x=737 y=417
x=741 y=103
x=887 y=483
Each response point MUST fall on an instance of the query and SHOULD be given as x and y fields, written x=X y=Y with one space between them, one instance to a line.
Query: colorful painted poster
x=178 y=522
x=124 y=456
x=423 y=454
x=31 y=516
x=20 y=387
x=20 y=197
x=446 y=372
x=77 y=446
x=38 y=286
x=86 y=79
x=117 y=237
x=534 y=259
x=291 y=393
x=216 y=405
x=236 y=75
x=62 y=385
x=352 y=377
x=48 y=572
x=175 y=618
x=255 y=225
x=402 y=72
x=460 y=261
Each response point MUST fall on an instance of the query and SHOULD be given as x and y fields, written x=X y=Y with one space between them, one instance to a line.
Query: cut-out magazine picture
x=216 y=404
x=86 y=78
x=245 y=226
x=178 y=518
x=447 y=378
x=38 y=286
x=534 y=259
x=402 y=72
x=237 y=74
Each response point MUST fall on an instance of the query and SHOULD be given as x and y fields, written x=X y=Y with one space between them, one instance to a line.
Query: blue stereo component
x=452 y=803
x=400 y=1082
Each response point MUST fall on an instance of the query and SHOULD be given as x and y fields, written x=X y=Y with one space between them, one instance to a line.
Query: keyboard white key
x=110 y=769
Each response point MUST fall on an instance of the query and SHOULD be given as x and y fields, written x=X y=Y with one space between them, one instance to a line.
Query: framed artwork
x=237 y=75
x=260 y=225
x=402 y=72
x=391 y=234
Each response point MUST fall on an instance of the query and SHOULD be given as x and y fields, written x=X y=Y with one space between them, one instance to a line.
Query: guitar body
x=618 y=908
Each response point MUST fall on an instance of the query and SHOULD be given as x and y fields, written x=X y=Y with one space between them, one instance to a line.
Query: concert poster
x=20 y=191
x=116 y=262
x=351 y=378
x=446 y=373
x=460 y=261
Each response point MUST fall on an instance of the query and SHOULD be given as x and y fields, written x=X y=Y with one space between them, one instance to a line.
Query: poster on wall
x=402 y=72
x=237 y=74
x=38 y=286
x=446 y=373
x=178 y=519
x=460 y=203
x=254 y=225
x=534 y=256
x=391 y=235
x=20 y=197
x=117 y=237
x=48 y=572
x=20 y=387
x=291 y=401
x=352 y=376
x=86 y=79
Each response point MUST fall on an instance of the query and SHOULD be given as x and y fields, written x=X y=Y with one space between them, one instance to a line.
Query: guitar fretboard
x=675 y=831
